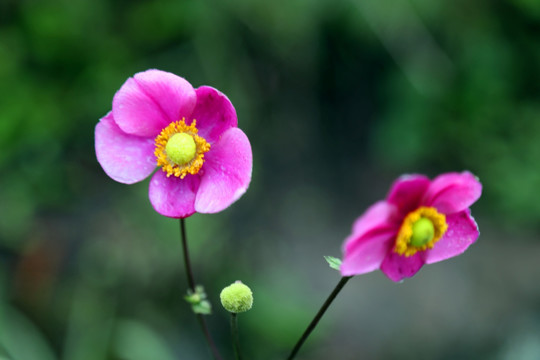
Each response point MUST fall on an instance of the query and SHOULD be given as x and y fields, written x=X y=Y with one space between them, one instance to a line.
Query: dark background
x=338 y=99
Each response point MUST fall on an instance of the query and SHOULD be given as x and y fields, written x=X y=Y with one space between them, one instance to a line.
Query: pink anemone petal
x=227 y=172
x=367 y=254
x=379 y=217
x=150 y=100
x=172 y=196
x=462 y=232
x=453 y=192
x=407 y=191
x=125 y=158
x=397 y=267
x=214 y=113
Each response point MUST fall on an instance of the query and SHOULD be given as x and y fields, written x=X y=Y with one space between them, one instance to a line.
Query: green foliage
x=135 y=340
x=21 y=338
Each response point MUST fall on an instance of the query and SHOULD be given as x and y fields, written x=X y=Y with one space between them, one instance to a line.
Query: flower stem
x=235 y=337
x=319 y=315
x=191 y=283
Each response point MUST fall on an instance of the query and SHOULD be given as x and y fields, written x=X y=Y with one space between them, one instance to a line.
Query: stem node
x=191 y=283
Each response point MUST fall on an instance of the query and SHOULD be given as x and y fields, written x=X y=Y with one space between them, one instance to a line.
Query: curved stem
x=318 y=317
x=235 y=337
x=191 y=283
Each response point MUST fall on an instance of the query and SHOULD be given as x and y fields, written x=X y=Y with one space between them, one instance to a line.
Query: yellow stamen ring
x=179 y=150
x=416 y=234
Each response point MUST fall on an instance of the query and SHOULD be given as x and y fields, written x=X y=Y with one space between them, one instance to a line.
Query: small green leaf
x=198 y=301
x=204 y=307
x=334 y=263
x=193 y=298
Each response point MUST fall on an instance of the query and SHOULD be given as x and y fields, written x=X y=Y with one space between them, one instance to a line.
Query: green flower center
x=422 y=232
x=181 y=148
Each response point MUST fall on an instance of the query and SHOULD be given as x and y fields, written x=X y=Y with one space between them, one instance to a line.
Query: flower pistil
x=179 y=150
x=420 y=230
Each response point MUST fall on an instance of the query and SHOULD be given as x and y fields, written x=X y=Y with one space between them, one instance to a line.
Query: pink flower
x=159 y=119
x=420 y=222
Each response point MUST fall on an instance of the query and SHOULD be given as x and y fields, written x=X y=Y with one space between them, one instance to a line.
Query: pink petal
x=379 y=217
x=407 y=191
x=397 y=267
x=125 y=158
x=462 y=232
x=367 y=254
x=172 y=196
x=151 y=100
x=452 y=192
x=227 y=172
x=214 y=113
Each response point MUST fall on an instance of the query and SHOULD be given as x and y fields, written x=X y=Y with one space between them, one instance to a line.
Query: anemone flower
x=422 y=221
x=159 y=120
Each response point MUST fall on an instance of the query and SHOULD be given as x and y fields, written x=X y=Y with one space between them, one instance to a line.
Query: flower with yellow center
x=420 y=230
x=179 y=150
x=421 y=221
x=152 y=123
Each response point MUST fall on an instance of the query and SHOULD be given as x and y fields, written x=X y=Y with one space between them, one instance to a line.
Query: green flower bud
x=236 y=298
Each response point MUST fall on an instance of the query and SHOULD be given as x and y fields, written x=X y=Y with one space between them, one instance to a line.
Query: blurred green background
x=338 y=98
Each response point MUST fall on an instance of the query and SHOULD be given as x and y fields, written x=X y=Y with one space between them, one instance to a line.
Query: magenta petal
x=227 y=172
x=214 y=113
x=397 y=267
x=379 y=217
x=125 y=158
x=453 y=192
x=462 y=232
x=151 y=100
x=367 y=254
x=172 y=196
x=407 y=192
